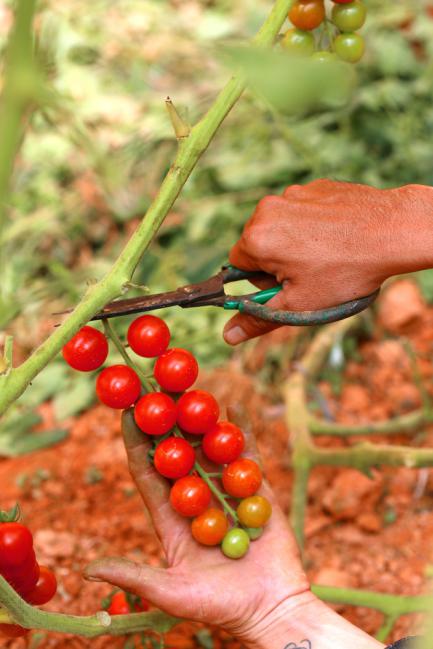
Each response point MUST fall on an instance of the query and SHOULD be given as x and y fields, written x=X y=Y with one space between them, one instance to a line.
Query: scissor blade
x=186 y=295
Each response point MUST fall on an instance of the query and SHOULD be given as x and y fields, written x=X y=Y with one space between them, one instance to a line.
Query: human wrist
x=304 y=622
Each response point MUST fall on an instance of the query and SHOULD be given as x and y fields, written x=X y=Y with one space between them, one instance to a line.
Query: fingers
x=243 y=327
x=154 y=489
x=154 y=584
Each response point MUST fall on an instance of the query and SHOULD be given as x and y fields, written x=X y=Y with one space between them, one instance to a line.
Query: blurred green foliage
x=95 y=155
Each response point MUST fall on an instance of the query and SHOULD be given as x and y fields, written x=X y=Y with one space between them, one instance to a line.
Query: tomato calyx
x=11 y=516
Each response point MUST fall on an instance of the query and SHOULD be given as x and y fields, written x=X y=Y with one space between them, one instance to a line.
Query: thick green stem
x=404 y=424
x=366 y=455
x=20 y=88
x=390 y=605
x=190 y=150
x=91 y=626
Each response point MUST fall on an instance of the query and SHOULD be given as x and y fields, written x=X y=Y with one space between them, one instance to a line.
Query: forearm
x=307 y=624
x=405 y=236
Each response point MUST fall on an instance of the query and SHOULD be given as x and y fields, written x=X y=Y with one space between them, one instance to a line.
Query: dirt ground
x=375 y=534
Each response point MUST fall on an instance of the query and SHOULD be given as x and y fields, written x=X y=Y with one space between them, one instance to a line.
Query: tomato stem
x=216 y=492
x=111 y=333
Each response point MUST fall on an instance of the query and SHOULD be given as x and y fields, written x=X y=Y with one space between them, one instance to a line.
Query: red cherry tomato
x=210 y=527
x=120 y=604
x=12 y=630
x=155 y=413
x=87 y=350
x=118 y=386
x=176 y=370
x=197 y=412
x=45 y=588
x=242 y=478
x=190 y=496
x=307 y=14
x=148 y=336
x=26 y=582
x=224 y=443
x=174 y=458
x=16 y=544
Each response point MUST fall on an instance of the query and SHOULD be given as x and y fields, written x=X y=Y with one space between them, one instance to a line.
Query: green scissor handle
x=255 y=305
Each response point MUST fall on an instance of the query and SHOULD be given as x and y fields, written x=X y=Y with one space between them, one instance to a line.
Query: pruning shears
x=211 y=292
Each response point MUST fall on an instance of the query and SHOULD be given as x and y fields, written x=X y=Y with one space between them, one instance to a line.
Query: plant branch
x=404 y=424
x=190 y=150
x=366 y=455
x=390 y=605
x=90 y=626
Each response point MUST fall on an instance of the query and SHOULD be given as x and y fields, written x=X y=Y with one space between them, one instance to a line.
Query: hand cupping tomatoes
x=339 y=30
x=36 y=584
x=183 y=425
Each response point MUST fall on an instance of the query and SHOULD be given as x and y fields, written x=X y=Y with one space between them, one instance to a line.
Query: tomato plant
x=87 y=350
x=176 y=370
x=155 y=413
x=224 y=443
x=190 y=496
x=118 y=386
x=197 y=412
x=174 y=457
x=242 y=478
x=148 y=336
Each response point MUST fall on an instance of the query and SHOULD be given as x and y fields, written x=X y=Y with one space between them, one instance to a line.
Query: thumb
x=243 y=327
x=154 y=584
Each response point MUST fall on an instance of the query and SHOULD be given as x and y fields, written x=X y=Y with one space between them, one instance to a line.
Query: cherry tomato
x=119 y=604
x=45 y=588
x=349 y=17
x=148 y=336
x=197 y=412
x=190 y=496
x=176 y=370
x=87 y=350
x=155 y=413
x=254 y=532
x=123 y=603
x=242 y=478
x=16 y=544
x=254 y=511
x=174 y=457
x=224 y=443
x=349 y=47
x=118 y=386
x=13 y=630
x=235 y=543
x=298 y=43
x=324 y=56
x=26 y=582
x=307 y=14
x=210 y=527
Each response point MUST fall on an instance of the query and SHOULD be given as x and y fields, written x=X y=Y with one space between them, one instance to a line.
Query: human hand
x=330 y=242
x=200 y=583
x=263 y=599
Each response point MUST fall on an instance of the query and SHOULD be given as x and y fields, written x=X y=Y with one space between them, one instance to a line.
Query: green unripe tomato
x=235 y=543
x=349 y=47
x=254 y=532
x=349 y=17
x=299 y=43
x=323 y=55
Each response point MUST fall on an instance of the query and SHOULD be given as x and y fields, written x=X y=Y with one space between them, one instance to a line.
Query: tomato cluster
x=18 y=565
x=340 y=29
x=184 y=426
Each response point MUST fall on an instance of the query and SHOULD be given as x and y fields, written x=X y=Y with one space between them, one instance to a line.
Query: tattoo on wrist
x=304 y=644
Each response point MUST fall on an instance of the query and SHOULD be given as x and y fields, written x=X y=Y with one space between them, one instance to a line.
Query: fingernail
x=235 y=335
x=91 y=577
